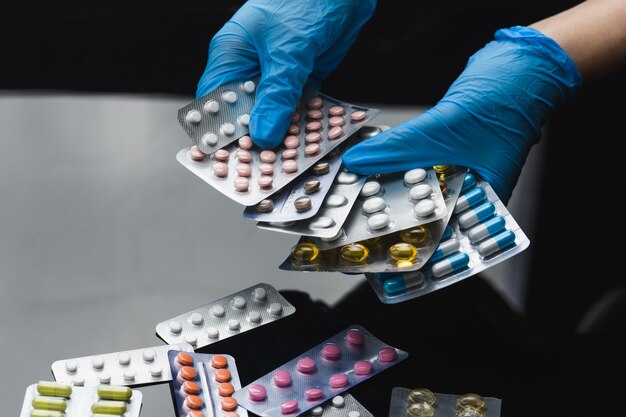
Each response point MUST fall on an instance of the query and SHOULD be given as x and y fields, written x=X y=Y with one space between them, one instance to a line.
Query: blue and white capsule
x=398 y=284
x=487 y=229
x=476 y=215
x=468 y=182
x=470 y=199
x=451 y=264
x=447 y=233
x=497 y=243
x=444 y=249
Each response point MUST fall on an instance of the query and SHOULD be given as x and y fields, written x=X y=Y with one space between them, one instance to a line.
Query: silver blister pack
x=226 y=317
x=61 y=400
x=204 y=383
x=481 y=233
x=248 y=174
x=330 y=368
x=445 y=405
x=130 y=367
x=340 y=406
x=221 y=116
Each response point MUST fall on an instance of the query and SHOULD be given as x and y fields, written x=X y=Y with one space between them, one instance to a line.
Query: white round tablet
x=420 y=191
x=249 y=87
x=373 y=204
x=370 y=188
x=104 y=378
x=276 y=309
x=335 y=200
x=156 y=371
x=424 y=208
x=129 y=375
x=317 y=411
x=176 y=327
x=354 y=413
x=322 y=222
x=260 y=294
x=123 y=358
x=193 y=116
x=234 y=324
x=196 y=319
x=244 y=119
x=239 y=302
x=71 y=366
x=217 y=310
x=78 y=381
x=212 y=332
x=191 y=339
x=97 y=362
x=338 y=401
x=347 y=178
x=211 y=107
x=378 y=221
x=229 y=96
x=254 y=317
x=228 y=129
x=148 y=355
x=209 y=139
x=414 y=175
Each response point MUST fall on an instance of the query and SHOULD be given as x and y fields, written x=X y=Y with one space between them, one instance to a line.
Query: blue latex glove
x=489 y=118
x=286 y=42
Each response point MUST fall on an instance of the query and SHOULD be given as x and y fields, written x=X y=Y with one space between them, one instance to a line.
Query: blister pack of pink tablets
x=422 y=402
x=319 y=374
x=340 y=406
x=226 y=317
x=203 y=385
x=135 y=367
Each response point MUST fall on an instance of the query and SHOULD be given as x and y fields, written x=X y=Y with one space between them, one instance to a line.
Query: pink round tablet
x=293 y=129
x=220 y=169
x=362 y=368
x=331 y=351
x=313 y=394
x=313 y=137
x=282 y=378
x=315 y=103
x=265 y=181
x=358 y=116
x=338 y=380
x=257 y=392
x=295 y=118
x=313 y=126
x=221 y=155
x=290 y=153
x=336 y=111
x=267 y=156
x=266 y=169
x=289 y=406
x=242 y=184
x=355 y=337
x=243 y=170
x=306 y=365
x=387 y=354
x=314 y=114
x=290 y=166
x=245 y=142
x=336 y=121
x=335 y=132
x=291 y=142
x=244 y=156
x=196 y=154
x=312 y=149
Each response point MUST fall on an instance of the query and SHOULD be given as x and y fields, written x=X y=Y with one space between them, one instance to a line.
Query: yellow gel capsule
x=403 y=252
x=440 y=168
x=49 y=403
x=470 y=399
x=419 y=395
x=54 y=389
x=109 y=407
x=354 y=252
x=305 y=252
x=421 y=409
x=443 y=186
x=115 y=393
x=469 y=412
x=46 y=413
x=416 y=235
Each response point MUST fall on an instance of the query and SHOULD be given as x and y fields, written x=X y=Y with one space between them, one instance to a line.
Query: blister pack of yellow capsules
x=422 y=402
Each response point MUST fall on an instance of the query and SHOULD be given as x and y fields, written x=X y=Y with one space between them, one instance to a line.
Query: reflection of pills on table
x=314 y=103
x=314 y=114
x=317 y=411
x=312 y=149
x=387 y=354
x=414 y=176
x=242 y=184
x=331 y=351
x=336 y=111
x=225 y=389
x=212 y=333
x=370 y=188
x=193 y=402
x=97 y=362
x=290 y=166
x=229 y=404
x=335 y=132
x=244 y=156
x=176 y=327
x=259 y=294
x=289 y=406
x=257 y=392
x=336 y=200
x=313 y=394
x=254 y=317
x=243 y=170
x=265 y=206
x=313 y=126
x=322 y=222
x=289 y=154
x=276 y=309
x=71 y=366
x=220 y=169
x=239 y=302
x=190 y=388
x=306 y=365
x=229 y=97
x=196 y=154
x=148 y=355
x=222 y=375
x=266 y=169
x=420 y=191
x=234 y=324
x=267 y=156
x=321 y=168
x=218 y=311
x=313 y=137
x=196 y=319
x=245 y=142
x=355 y=337
x=424 y=207
x=211 y=107
x=358 y=116
x=248 y=87
x=293 y=129
x=156 y=371
x=227 y=129
x=282 y=378
x=336 y=121
x=302 y=204
x=373 y=204
x=184 y=359
x=221 y=155
x=311 y=186
x=244 y=119
x=347 y=178
x=187 y=373
x=362 y=368
x=291 y=142
x=193 y=117
x=209 y=139
x=378 y=221
x=265 y=181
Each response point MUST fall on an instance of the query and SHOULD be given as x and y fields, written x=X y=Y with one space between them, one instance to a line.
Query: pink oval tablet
x=355 y=337
x=266 y=169
x=267 y=156
x=288 y=407
x=265 y=181
x=338 y=381
x=313 y=137
x=313 y=394
x=196 y=154
x=221 y=155
x=314 y=114
x=335 y=132
x=244 y=156
x=312 y=149
x=336 y=121
x=312 y=126
x=331 y=352
x=295 y=118
x=314 y=103
x=282 y=378
x=242 y=184
x=387 y=354
x=290 y=153
x=306 y=365
x=257 y=392
x=362 y=368
x=336 y=111
x=245 y=142
x=290 y=166
x=243 y=170
x=293 y=129
x=220 y=169
x=358 y=116
x=291 y=142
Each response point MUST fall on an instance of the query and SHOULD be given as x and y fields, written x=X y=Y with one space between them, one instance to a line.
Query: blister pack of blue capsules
x=481 y=233
x=422 y=402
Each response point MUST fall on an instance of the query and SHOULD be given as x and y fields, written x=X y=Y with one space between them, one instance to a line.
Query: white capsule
x=244 y=119
x=322 y=222
x=239 y=302
x=193 y=117
x=234 y=324
x=218 y=311
x=254 y=317
x=123 y=358
x=414 y=176
x=249 y=87
x=424 y=208
x=420 y=191
x=211 y=107
x=370 y=188
x=176 y=327
x=148 y=355
x=229 y=97
x=347 y=178
x=196 y=319
x=227 y=129
x=276 y=309
x=209 y=139
x=378 y=221
x=212 y=333
x=335 y=200
x=156 y=371
x=373 y=204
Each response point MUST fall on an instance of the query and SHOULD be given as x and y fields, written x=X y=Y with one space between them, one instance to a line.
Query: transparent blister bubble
x=445 y=405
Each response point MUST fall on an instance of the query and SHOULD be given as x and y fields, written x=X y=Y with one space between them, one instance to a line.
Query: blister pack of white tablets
x=221 y=116
x=143 y=366
x=330 y=368
x=226 y=317
x=422 y=402
x=203 y=385
x=53 y=399
x=481 y=234
x=248 y=174
x=340 y=406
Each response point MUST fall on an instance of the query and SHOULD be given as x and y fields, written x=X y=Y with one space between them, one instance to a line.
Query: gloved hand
x=287 y=42
x=489 y=118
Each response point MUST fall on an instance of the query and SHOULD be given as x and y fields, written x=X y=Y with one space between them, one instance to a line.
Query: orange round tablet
x=219 y=361
x=229 y=404
x=191 y=388
x=184 y=359
x=194 y=413
x=231 y=414
x=193 y=402
x=188 y=373
x=222 y=375
x=225 y=389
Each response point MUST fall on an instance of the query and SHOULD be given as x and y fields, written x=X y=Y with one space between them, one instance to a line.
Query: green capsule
x=470 y=399
x=354 y=252
x=49 y=403
x=419 y=395
x=54 y=389
x=109 y=407
x=46 y=413
x=421 y=409
x=469 y=412
x=115 y=393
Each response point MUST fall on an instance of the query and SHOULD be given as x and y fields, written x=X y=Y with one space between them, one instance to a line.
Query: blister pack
x=422 y=402
x=248 y=174
x=131 y=367
x=203 y=385
x=481 y=234
x=52 y=399
x=221 y=116
x=344 y=360
x=340 y=406
x=228 y=316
